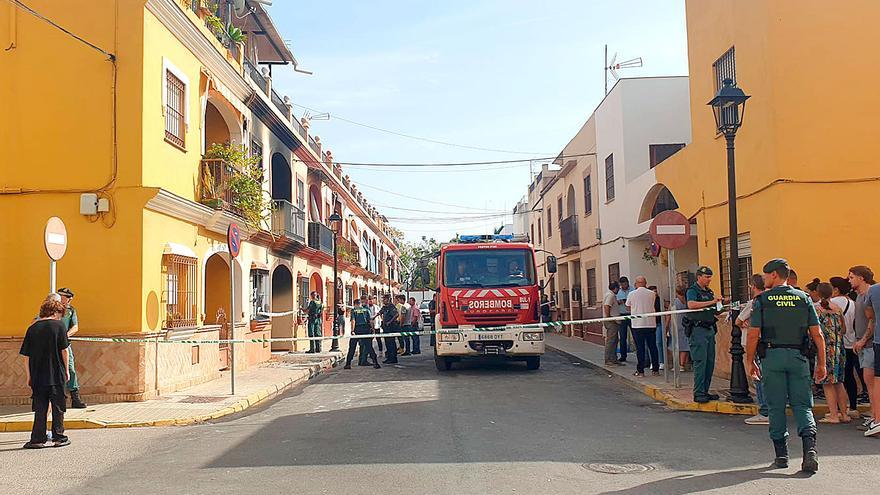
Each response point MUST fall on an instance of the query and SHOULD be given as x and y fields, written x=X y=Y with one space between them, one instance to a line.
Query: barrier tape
x=555 y=325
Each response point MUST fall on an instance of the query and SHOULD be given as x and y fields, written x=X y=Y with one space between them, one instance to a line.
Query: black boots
x=781 y=448
x=811 y=457
x=75 y=401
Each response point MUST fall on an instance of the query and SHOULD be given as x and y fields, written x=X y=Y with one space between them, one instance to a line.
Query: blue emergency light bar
x=485 y=238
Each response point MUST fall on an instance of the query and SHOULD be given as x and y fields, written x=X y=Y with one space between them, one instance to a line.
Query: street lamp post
x=389 y=261
x=335 y=221
x=729 y=106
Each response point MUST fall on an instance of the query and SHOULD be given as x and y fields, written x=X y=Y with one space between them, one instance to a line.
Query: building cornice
x=171 y=15
x=217 y=221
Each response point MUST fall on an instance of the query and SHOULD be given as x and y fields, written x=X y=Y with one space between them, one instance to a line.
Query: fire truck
x=487 y=286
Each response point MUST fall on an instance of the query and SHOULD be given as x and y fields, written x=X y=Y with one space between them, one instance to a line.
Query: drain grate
x=607 y=468
x=200 y=399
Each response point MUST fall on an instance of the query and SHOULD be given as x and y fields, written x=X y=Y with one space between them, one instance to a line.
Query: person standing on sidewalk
x=851 y=368
x=376 y=320
x=623 y=332
x=862 y=278
x=71 y=321
x=390 y=324
x=315 y=320
x=872 y=336
x=783 y=320
x=756 y=286
x=403 y=325
x=641 y=301
x=360 y=323
x=610 y=309
x=46 y=349
x=415 y=316
x=701 y=329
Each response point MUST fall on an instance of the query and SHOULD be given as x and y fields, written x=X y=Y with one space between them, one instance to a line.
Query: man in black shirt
x=45 y=346
x=390 y=324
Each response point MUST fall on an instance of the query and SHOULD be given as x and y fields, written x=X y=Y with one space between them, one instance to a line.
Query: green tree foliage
x=414 y=258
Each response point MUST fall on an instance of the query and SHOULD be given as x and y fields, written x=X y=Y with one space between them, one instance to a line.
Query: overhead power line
x=423 y=200
x=419 y=138
x=460 y=164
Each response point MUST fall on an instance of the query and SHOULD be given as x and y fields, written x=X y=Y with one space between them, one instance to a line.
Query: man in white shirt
x=611 y=308
x=756 y=287
x=414 y=317
x=376 y=318
x=639 y=302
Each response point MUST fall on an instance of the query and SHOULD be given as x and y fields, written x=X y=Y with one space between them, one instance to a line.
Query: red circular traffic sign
x=670 y=229
x=55 y=238
x=233 y=239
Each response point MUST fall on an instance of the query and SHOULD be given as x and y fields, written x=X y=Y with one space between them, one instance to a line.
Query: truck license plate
x=491 y=336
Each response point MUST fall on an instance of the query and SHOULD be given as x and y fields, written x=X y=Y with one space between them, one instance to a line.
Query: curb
x=240 y=405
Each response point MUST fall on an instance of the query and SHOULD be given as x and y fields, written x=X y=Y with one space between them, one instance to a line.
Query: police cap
x=64 y=291
x=704 y=270
x=776 y=264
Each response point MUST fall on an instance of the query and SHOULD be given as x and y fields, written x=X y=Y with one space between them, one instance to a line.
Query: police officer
x=782 y=324
x=315 y=320
x=360 y=321
x=71 y=321
x=700 y=328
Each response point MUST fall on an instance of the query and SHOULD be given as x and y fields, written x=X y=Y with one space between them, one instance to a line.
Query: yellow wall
x=808 y=121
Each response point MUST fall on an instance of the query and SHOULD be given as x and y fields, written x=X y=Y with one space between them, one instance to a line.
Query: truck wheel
x=533 y=362
x=442 y=363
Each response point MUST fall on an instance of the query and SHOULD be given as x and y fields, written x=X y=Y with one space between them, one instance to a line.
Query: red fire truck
x=488 y=285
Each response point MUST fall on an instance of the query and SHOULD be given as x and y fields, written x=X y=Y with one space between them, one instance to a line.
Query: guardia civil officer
x=700 y=329
x=360 y=321
x=782 y=324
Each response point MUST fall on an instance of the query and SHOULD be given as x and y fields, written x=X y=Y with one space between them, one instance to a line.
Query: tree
x=414 y=257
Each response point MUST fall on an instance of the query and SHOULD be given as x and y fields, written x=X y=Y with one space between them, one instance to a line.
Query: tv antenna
x=613 y=66
x=318 y=116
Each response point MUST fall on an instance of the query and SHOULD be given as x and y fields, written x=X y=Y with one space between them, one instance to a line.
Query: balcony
x=256 y=76
x=214 y=185
x=288 y=220
x=320 y=237
x=314 y=146
x=568 y=230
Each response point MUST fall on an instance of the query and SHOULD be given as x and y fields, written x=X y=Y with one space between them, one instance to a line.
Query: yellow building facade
x=127 y=112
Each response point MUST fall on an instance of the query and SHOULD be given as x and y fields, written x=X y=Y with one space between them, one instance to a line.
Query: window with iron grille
x=540 y=234
x=744 y=248
x=591 y=287
x=300 y=193
x=175 y=100
x=660 y=152
x=257 y=151
x=549 y=223
x=179 y=296
x=259 y=294
x=302 y=284
x=609 y=178
x=614 y=272
x=725 y=68
x=588 y=195
x=349 y=295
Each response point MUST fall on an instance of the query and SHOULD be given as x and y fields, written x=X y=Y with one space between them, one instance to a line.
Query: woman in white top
x=841 y=289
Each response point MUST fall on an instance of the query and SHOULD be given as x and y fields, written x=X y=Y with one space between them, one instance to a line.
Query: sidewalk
x=196 y=404
x=656 y=387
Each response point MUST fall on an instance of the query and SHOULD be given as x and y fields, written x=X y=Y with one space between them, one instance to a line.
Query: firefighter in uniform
x=360 y=320
x=782 y=324
x=700 y=329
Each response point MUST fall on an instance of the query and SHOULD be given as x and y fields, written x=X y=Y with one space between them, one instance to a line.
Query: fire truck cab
x=488 y=286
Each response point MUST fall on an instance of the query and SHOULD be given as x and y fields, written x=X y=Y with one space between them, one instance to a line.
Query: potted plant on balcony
x=245 y=183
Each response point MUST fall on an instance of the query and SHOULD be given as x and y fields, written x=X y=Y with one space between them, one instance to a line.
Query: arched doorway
x=658 y=199
x=282 y=183
x=282 y=301
x=217 y=294
x=222 y=123
x=316 y=284
x=570 y=201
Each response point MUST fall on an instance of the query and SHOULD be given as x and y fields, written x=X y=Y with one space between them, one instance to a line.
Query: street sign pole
x=673 y=321
x=55 y=242
x=233 y=243
x=52 y=276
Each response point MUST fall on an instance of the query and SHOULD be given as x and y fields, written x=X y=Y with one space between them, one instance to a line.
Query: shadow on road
x=681 y=485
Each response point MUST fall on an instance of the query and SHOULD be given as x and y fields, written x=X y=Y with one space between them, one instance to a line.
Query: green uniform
x=702 y=342
x=784 y=315
x=71 y=320
x=315 y=320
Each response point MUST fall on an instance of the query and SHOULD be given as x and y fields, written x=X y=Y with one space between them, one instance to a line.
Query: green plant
x=236 y=35
x=245 y=184
x=648 y=257
x=348 y=252
x=214 y=23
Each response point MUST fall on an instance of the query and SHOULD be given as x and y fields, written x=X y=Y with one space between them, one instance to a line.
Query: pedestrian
x=851 y=369
x=679 y=304
x=315 y=320
x=403 y=325
x=376 y=320
x=415 y=316
x=390 y=318
x=46 y=349
x=432 y=312
x=360 y=323
x=756 y=288
x=611 y=309
x=641 y=301
x=701 y=328
x=783 y=319
x=832 y=324
x=623 y=334
x=71 y=321
x=861 y=278
x=658 y=334
x=872 y=338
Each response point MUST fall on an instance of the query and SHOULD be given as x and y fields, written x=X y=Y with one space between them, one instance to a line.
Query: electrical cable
x=361 y=184
x=418 y=138
x=455 y=164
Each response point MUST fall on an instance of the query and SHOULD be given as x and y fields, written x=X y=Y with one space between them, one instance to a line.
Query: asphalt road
x=478 y=429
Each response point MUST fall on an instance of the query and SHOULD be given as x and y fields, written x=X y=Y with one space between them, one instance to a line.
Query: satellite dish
x=242 y=9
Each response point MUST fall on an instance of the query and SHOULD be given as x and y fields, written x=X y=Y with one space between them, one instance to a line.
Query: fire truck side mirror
x=551 y=264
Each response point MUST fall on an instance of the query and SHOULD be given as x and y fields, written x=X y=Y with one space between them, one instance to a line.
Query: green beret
x=776 y=264
x=704 y=270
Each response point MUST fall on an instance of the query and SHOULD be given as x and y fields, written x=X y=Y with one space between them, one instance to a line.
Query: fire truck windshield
x=489 y=268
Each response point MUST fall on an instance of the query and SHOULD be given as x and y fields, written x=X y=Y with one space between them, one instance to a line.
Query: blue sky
x=512 y=75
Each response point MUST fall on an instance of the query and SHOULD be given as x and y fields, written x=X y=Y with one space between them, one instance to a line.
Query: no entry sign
x=55 y=238
x=670 y=229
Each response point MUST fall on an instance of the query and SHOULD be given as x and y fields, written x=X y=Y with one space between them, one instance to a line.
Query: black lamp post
x=729 y=106
x=389 y=261
x=335 y=221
